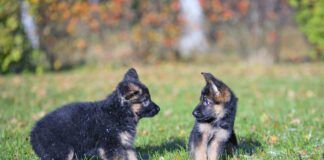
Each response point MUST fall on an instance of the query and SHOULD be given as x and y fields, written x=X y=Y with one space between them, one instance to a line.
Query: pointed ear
x=209 y=80
x=128 y=90
x=131 y=74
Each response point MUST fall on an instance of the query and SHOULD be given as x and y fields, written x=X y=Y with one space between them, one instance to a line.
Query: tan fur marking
x=136 y=108
x=134 y=87
x=219 y=110
x=126 y=138
x=204 y=127
x=102 y=154
x=200 y=151
x=225 y=95
x=214 y=150
x=222 y=134
x=70 y=155
x=131 y=155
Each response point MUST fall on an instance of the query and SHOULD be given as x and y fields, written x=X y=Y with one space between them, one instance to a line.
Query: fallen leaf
x=295 y=121
x=273 y=139
x=302 y=153
x=310 y=93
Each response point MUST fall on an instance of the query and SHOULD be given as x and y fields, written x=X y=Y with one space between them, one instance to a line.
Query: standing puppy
x=104 y=129
x=215 y=115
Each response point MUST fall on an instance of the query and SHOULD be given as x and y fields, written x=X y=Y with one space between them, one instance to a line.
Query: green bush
x=16 y=54
x=310 y=17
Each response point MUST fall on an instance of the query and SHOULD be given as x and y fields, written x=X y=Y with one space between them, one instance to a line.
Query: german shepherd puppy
x=104 y=129
x=215 y=114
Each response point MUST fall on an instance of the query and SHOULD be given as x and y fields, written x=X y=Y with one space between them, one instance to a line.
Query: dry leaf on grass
x=273 y=139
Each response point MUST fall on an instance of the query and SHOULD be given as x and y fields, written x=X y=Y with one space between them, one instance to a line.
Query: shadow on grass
x=171 y=145
x=249 y=146
x=246 y=146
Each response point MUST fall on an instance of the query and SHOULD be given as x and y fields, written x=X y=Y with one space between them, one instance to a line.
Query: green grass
x=280 y=110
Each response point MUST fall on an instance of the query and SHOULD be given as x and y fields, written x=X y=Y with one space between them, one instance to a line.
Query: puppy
x=104 y=129
x=215 y=115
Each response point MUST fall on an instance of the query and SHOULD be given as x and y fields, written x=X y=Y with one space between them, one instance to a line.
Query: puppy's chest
x=210 y=133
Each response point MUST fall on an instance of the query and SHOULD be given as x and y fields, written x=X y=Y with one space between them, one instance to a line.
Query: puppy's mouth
x=150 y=113
x=153 y=113
x=205 y=119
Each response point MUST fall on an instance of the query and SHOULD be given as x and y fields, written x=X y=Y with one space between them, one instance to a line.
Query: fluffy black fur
x=104 y=129
x=215 y=115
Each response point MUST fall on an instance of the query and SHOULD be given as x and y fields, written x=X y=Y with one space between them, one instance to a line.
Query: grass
x=280 y=111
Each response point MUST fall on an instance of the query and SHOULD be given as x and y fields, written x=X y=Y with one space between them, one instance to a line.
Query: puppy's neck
x=112 y=107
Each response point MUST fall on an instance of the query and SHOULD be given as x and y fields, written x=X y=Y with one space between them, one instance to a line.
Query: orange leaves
x=81 y=44
x=243 y=6
x=227 y=14
x=217 y=5
x=175 y=6
x=216 y=10
x=151 y=26
x=80 y=8
x=71 y=25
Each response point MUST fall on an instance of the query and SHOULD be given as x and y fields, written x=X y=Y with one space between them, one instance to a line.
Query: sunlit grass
x=280 y=111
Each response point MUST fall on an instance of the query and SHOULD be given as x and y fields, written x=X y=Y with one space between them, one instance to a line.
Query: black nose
x=196 y=113
x=157 y=108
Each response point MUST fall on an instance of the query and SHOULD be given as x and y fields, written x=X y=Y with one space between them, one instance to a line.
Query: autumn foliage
x=73 y=32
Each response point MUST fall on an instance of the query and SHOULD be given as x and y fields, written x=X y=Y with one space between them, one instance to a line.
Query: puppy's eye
x=136 y=93
x=131 y=95
x=206 y=101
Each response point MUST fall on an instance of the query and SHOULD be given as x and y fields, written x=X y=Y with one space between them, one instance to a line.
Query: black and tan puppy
x=104 y=129
x=215 y=115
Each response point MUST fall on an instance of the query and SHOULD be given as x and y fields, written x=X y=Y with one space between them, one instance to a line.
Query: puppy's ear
x=209 y=81
x=220 y=91
x=131 y=74
x=128 y=90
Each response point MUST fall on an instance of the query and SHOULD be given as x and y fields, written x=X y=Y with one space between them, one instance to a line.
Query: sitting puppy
x=215 y=115
x=104 y=129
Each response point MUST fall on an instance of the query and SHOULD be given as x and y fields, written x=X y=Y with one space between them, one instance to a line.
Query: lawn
x=280 y=110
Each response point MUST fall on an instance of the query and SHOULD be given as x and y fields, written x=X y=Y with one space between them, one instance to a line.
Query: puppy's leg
x=198 y=146
x=56 y=151
x=103 y=153
x=131 y=154
x=217 y=144
x=115 y=151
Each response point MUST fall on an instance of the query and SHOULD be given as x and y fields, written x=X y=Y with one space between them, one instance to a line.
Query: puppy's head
x=214 y=100
x=136 y=96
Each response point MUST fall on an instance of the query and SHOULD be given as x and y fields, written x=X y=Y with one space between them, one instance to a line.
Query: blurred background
x=51 y=35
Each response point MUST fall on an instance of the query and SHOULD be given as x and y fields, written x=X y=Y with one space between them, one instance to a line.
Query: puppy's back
x=59 y=126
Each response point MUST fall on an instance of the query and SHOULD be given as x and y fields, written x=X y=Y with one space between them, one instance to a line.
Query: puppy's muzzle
x=154 y=109
x=197 y=114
